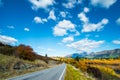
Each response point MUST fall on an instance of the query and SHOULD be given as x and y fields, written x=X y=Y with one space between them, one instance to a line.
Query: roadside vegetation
x=73 y=74
x=100 y=69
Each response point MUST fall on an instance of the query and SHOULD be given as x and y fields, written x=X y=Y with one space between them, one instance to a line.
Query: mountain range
x=115 y=53
x=80 y=55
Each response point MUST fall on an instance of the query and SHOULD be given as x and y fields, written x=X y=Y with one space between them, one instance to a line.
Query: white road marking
x=62 y=73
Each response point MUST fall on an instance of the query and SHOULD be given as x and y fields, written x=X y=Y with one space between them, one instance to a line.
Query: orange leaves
x=25 y=52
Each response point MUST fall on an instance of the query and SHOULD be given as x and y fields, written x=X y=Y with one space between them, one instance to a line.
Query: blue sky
x=61 y=27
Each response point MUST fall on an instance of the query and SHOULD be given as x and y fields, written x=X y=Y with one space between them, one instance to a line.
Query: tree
x=25 y=52
x=46 y=55
x=46 y=58
x=77 y=58
x=7 y=49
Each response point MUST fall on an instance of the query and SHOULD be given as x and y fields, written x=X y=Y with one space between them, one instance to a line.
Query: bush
x=95 y=72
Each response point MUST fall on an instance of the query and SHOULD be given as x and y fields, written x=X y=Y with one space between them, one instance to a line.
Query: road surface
x=55 y=73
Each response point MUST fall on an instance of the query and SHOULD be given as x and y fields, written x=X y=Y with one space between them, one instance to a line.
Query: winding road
x=55 y=73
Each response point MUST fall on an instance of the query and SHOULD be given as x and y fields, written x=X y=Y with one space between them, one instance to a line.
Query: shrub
x=94 y=71
x=25 y=52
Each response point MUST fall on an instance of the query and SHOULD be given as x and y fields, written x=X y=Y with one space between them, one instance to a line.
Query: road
x=55 y=73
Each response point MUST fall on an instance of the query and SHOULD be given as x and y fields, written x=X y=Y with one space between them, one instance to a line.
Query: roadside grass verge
x=74 y=74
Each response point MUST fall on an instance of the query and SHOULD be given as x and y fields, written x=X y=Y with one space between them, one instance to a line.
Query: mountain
x=80 y=55
x=102 y=54
x=108 y=54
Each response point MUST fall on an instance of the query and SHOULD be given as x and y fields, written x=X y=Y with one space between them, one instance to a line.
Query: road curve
x=55 y=73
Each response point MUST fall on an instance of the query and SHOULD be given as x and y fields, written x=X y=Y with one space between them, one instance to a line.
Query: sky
x=61 y=27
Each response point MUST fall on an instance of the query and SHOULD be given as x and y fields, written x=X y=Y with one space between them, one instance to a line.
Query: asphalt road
x=55 y=73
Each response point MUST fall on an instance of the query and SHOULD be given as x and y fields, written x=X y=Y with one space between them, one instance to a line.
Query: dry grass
x=103 y=61
x=74 y=74
x=109 y=69
x=107 y=73
x=7 y=63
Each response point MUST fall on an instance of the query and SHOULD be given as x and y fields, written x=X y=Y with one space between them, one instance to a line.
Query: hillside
x=108 y=54
x=21 y=51
x=16 y=60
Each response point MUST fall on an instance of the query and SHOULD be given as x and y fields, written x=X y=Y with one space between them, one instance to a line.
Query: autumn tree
x=25 y=52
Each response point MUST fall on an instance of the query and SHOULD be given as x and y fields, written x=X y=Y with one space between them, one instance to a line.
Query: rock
x=19 y=65
x=2 y=69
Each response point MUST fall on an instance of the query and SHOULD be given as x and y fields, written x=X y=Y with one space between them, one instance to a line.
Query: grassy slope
x=74 y=74
x=7 y=63
x=108 y=73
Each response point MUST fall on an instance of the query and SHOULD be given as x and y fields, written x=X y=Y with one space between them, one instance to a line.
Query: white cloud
x=36 y=4
x=77 y=33
x=83 y=17
x=118 y=21
x=86 y=10
x=62 y=27
x=63 y=14
x=44 y=20
x=26 y=29
x=11 y=27
x=85 y=45
x=39 y=20
x=104 y=21
x=59 y=31
x=68 y=39
x=79 y=1
x=116 y=41
x=7 y=39
x=89 y=27
x=103 y=3
x=69 y=4
x=52 y=15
